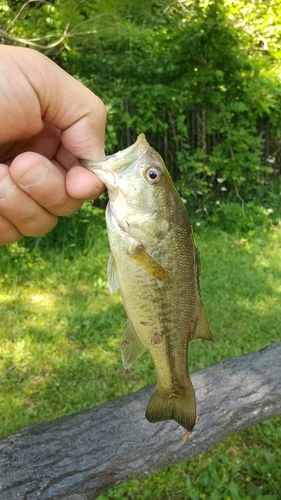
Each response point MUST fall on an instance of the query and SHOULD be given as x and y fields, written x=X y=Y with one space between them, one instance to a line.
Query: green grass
x=61 y=330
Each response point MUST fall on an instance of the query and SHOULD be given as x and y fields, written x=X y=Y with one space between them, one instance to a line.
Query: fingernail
x=7 y=186
x=33 y=176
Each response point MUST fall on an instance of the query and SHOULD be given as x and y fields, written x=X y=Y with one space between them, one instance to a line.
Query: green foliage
x=154 y=62
x=198 y=57
x=250 y=217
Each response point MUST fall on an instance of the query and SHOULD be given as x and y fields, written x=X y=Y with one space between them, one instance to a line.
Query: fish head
x=141 y=192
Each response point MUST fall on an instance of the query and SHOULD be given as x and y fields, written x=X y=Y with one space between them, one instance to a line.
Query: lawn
x=61 y=330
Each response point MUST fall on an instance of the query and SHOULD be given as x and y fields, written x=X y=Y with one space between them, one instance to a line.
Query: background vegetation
x=202 y=80
x=200 y=77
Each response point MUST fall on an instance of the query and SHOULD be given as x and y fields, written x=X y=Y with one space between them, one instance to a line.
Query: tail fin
x=178 y=407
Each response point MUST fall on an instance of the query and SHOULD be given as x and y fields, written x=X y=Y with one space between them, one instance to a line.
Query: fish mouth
x=119 y=161
x=110 y=179
x=122 y=159
x=114 y=180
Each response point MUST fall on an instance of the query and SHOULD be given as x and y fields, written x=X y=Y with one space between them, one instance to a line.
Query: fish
x=155 y=262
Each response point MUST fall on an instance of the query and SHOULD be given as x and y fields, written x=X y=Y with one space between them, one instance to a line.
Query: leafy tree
x=200 y=78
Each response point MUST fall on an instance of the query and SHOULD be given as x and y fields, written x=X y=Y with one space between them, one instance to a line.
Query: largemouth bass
x=155 y=261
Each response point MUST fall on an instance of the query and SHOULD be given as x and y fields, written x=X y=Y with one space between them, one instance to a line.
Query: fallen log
x=78 y=457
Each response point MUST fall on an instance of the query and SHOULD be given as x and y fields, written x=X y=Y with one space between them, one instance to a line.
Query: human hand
x=47 y=121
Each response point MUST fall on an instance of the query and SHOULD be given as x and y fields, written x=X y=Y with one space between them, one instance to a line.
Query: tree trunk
x=79 y=456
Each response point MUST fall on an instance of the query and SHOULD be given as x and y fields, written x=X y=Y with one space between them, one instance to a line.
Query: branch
x=19 y=12
x=59 y=39
x=79 y=456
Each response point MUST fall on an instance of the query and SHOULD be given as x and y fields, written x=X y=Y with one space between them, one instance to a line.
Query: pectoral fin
x=203 y=329
x=150 y=265
x=132 y=347
x=112 y=276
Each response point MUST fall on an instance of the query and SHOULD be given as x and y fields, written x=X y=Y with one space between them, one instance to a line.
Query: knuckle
x=39 y=226
x=65 y=205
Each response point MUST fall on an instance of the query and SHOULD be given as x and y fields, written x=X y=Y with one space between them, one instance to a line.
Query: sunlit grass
x=61 y=330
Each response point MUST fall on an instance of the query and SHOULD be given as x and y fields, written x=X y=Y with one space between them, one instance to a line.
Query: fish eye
x=153 y=175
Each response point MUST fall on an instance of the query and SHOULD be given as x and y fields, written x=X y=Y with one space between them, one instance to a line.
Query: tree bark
x=80 y=456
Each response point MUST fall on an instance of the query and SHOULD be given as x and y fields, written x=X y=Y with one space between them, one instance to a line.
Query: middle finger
x=22 y=211
x=45 y=182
